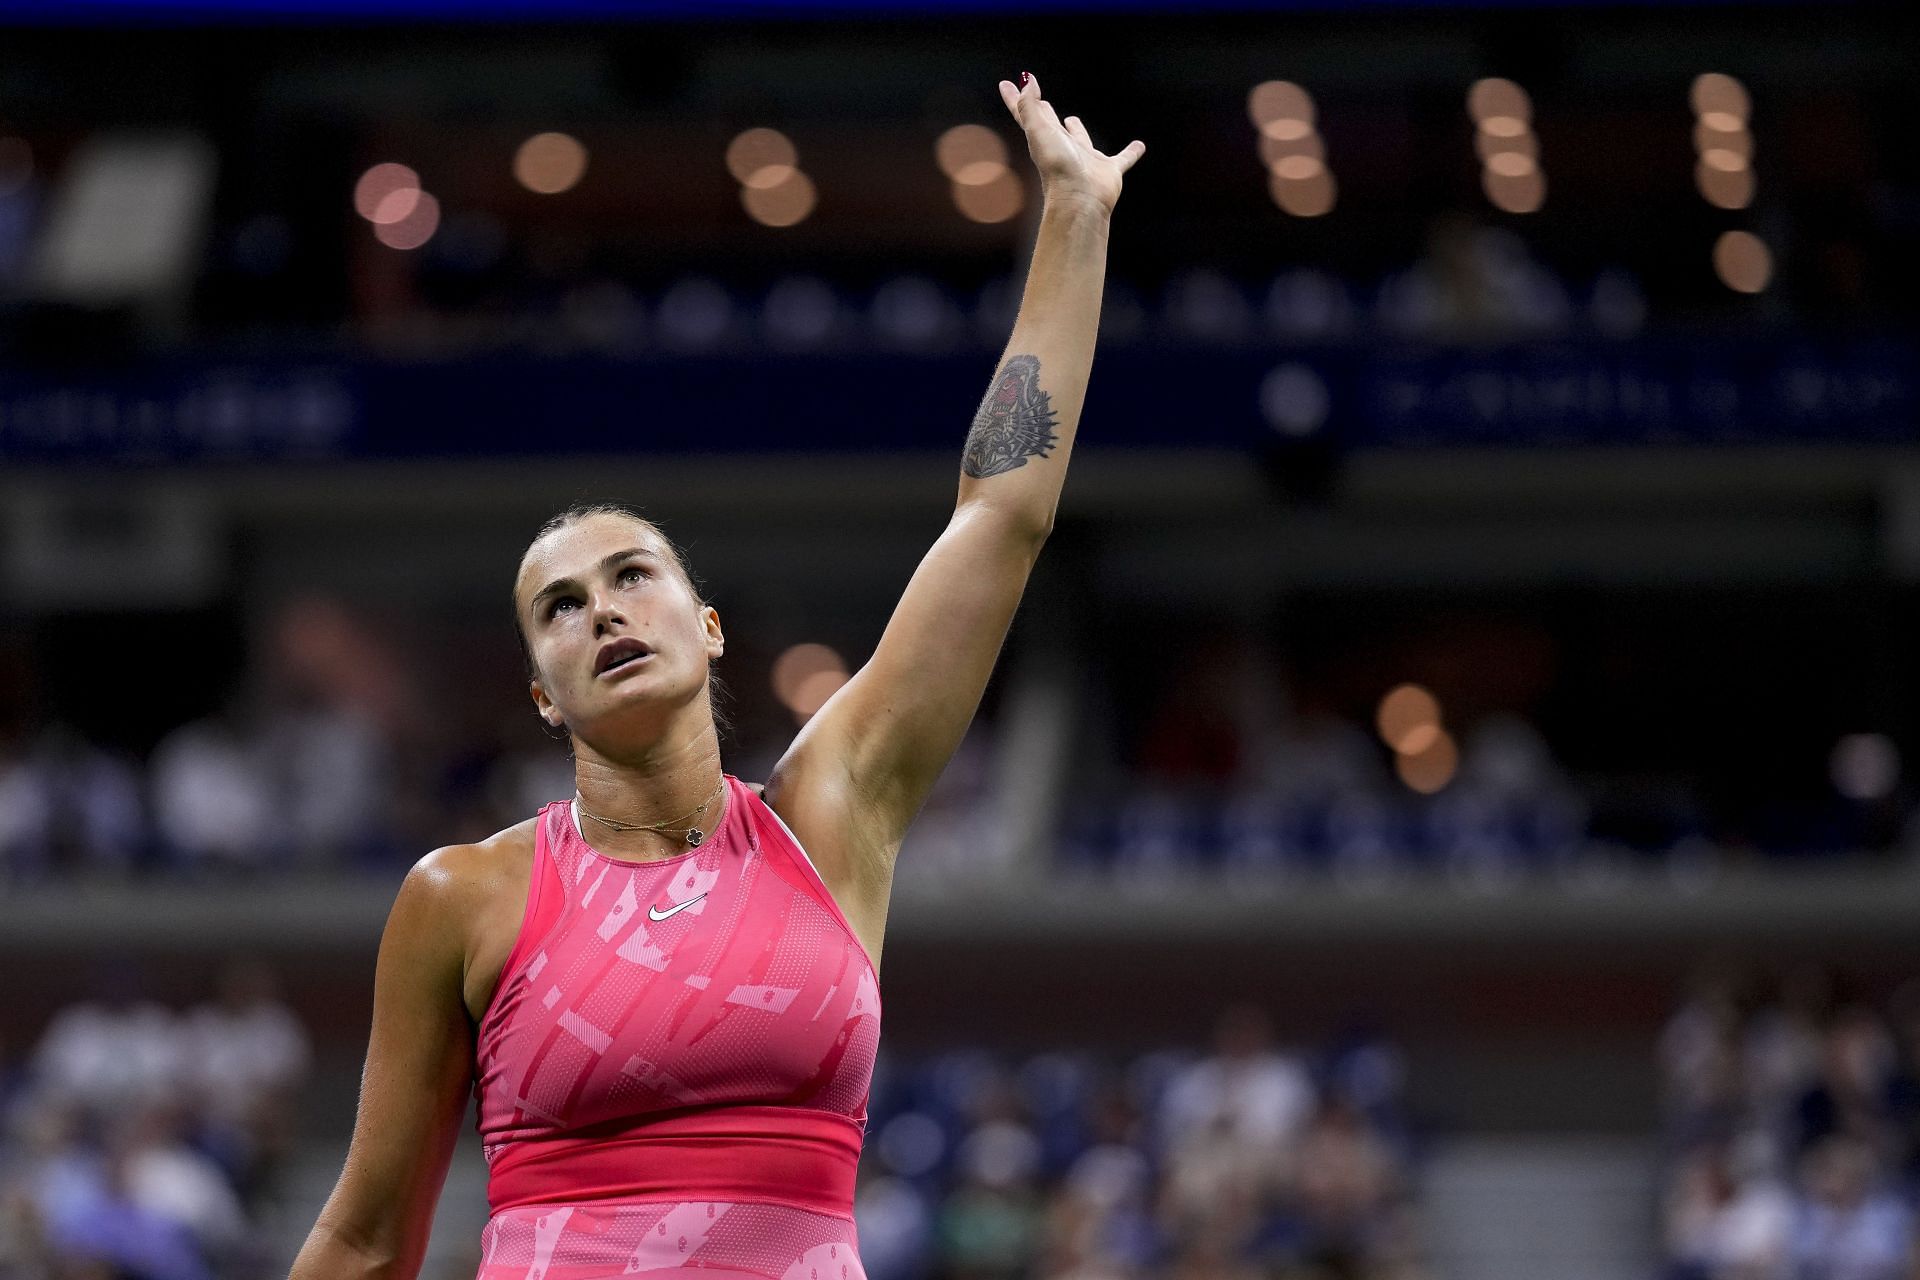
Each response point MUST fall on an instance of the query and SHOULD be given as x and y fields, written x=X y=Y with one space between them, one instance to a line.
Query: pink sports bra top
x=698 y=1028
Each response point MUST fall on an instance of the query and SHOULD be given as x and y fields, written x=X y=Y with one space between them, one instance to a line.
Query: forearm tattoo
x=1015 y=422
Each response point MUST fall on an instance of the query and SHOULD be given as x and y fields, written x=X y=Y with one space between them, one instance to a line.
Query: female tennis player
x=662 y=992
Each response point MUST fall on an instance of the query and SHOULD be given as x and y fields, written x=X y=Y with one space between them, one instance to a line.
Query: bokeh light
x=1430 y=769
x=1408 y=718
x=1742 y=261
x=799 y=663
x=550 y=163
x=1274 y=150
x=769 y=176
x=1298 y=168
x=1705 y=139
x=1505 y=142
x=784 y=204
x=1309 y=198
x=1275 y=101
x=1494 y=97
x=1723 y=188
x=1740 y=142
x=980 y=173
x=1517 y=193
x=396 y=206
x=373 y=193
x=1511 y=164
x=414 y=229
x=815 y=690
x=994 y=201
x=1722 y=94
x=1487 y=145
x=1498 y=126
x=755 y=149
x=960 y=149
x=1865 y=766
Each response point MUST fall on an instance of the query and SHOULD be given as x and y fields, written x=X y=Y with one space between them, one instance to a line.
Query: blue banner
x=1779 y=391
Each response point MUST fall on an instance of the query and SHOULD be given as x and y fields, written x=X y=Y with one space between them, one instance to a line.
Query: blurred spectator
x=1850 y=1226
x=112 y=1053
x=136 y=1149
x=25 y=811
x=1476 y=283
x=1721 y=1222
x=213 y=794
x=341 y=698
x=1249 y=1168
x=170 y=1180
x=990 y=1224
x=69 y=806
x=248 y=1057
x=1790 y=1124
x=1247 y=1094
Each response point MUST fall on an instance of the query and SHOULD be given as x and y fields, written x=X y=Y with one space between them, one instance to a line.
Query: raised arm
x=413 y=1093
x=863 y=765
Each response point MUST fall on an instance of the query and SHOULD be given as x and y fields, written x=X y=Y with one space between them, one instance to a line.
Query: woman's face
x=619 y=640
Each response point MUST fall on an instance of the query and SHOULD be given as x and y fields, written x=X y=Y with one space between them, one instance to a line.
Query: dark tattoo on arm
x=1015 y=422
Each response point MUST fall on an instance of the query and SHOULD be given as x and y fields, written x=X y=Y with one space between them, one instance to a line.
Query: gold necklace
x=694 y=835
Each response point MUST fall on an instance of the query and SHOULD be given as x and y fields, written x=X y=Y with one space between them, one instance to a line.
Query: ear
x=548 y=712
x=716 y=638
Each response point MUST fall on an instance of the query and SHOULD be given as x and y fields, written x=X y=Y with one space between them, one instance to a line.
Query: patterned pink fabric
x=674 y=1070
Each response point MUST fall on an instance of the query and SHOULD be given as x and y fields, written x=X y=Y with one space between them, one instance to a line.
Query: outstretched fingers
x=1130 y=154
x=1079 y=132
x=1025 y=102
x=1018 y=96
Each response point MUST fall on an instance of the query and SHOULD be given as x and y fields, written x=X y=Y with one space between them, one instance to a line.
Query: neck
x=665 y=783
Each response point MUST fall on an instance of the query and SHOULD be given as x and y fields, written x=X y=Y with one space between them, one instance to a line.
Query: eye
x=633 y=571
x=559 y=603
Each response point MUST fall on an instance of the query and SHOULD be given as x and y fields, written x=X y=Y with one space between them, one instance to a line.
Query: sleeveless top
x=673 y=1072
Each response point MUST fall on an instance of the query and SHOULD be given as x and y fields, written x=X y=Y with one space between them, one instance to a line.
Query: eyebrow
x=606 y=562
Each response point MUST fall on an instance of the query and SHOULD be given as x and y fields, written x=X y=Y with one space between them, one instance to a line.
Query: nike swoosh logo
x=656 y=914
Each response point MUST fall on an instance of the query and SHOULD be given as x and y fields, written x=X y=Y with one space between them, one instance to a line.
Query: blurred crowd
x=323 y=760
x=1793 y=1133
x=341 y=750
x=318 y=758
x=1217 y=761
x=1475 y=284
x=1245 y=1163
x=342 y=746
x=1318 y=796
x=142 y=1143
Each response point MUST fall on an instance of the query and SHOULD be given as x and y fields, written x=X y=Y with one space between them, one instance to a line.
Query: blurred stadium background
x=1446 y=808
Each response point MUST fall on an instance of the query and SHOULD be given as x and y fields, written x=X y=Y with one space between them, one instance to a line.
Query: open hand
x=1069 y=164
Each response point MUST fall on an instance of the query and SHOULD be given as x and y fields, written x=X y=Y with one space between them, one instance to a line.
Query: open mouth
x=621 y=653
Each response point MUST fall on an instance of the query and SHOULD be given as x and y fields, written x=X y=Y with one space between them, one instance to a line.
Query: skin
x=646 y=746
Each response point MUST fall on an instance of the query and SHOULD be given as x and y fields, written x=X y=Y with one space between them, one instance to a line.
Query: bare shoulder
x=473 y=896
x=460 y=869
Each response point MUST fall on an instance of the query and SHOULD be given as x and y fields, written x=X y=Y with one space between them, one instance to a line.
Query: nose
x=606 y=613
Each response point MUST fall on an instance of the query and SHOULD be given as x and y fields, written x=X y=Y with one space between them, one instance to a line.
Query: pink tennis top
x=673 y=1073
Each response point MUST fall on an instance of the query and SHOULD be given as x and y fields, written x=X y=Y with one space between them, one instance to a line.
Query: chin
x=634 y=705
